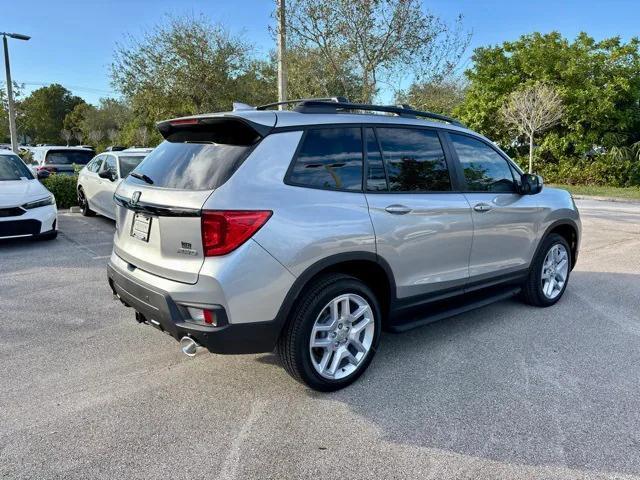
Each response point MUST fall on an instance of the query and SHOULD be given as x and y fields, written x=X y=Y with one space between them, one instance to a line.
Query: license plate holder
x=141 y=226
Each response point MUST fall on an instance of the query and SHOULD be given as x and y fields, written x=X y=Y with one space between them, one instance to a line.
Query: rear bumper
x=159 y=309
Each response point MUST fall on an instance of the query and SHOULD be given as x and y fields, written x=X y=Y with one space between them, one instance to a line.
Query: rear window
x=191 y=166
x=127 y=164
x=329 y=158
x=68 y=157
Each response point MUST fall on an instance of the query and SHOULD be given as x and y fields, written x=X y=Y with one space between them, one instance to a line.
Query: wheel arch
x=567 y=229
x=368 y=267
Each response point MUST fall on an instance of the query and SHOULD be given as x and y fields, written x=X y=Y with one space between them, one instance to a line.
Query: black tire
x=84 y=204
x=532 y=289
x=293 y=344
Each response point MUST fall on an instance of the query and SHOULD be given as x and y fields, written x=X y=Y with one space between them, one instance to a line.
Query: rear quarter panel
x=307 y=224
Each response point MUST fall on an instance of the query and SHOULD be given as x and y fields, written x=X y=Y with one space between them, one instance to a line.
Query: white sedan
x=97 y=182
x=27 y=208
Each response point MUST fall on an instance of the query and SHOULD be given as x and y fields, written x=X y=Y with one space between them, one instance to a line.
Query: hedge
x=63 y=188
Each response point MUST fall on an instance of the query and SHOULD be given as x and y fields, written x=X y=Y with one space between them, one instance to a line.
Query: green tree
x=186 y=66
x=5 y=135
x=310 y=75
x=43 y=113
x=377 y=41
x=74 y=121
x=598 y=84
x=100 y=125
x=439 y=97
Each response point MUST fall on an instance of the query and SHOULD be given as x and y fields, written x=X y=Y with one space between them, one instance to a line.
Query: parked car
x=310 y=231
x=98 y=180
x=27 y=208
x=60 y=160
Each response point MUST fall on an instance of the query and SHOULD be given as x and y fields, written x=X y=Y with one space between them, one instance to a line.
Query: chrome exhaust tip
x=189 y=346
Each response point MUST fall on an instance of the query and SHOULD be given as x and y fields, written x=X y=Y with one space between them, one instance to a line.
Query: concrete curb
x=606 y=199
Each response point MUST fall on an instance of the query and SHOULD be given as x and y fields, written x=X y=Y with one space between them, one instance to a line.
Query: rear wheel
x=549 y=272
x=333 y=333
x=84 y=204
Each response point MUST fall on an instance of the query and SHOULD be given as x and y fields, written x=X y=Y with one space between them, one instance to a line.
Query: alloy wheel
x=555 y=270
x=342 y=336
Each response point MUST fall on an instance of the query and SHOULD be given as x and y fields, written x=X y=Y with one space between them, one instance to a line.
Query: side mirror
x=107 y=175
x=530 y=184
x=42 y=174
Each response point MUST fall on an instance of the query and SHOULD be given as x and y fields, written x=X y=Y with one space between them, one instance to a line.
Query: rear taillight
x=224 y=231
x=47 y=168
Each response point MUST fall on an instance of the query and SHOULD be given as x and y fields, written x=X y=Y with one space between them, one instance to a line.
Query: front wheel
x=84 y=204
x=332 y=334
x=549 y=272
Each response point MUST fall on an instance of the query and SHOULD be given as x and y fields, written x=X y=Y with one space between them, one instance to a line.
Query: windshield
x=191 y=166
x=12 y=168
x=68 y=157
x=127 y=164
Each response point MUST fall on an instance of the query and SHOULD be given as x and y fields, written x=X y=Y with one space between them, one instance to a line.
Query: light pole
x=282 y=48
x=12 y=112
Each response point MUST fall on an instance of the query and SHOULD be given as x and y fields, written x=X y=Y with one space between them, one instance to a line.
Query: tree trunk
x=531 y=153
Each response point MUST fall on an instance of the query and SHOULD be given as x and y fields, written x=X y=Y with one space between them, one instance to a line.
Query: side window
x=94 y=165
x=414 y=160
x=110 y=164
x=329 y=158
x=484 y=169
x=376 y=177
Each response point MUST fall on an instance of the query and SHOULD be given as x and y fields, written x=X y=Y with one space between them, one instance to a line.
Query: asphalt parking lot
x=507 y=391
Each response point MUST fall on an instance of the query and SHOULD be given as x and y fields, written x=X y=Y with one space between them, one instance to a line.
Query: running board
x=442 y=311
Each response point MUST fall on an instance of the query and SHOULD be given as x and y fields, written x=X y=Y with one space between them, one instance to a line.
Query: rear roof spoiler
x=179 y=129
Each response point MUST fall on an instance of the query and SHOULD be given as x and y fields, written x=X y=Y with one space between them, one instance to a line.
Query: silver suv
x=310 y=231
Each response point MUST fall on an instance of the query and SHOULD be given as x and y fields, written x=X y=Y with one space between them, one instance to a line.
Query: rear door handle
x=482 y=207
x=398 y=209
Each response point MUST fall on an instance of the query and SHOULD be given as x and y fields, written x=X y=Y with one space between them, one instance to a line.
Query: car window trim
x=460 y=175
x=305 y=130
x=415 y=192
x=365 y=150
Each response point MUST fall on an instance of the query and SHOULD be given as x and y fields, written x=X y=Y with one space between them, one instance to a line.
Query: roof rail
x=303 y=100
x=322 y=106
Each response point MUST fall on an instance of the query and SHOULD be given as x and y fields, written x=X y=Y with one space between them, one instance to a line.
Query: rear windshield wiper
x=142 y=177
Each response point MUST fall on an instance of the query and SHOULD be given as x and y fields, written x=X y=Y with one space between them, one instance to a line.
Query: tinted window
x=376 y=178
x=12 y=168
x=484 y=169
x=414 y=160
x=127 y=164
x=68 y=157
x=191 y=166
x=330 y=158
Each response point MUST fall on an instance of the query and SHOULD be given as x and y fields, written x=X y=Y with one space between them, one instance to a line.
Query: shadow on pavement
x=557 y=386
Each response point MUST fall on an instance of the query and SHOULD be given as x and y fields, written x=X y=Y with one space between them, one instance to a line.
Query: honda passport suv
x=311 y=230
